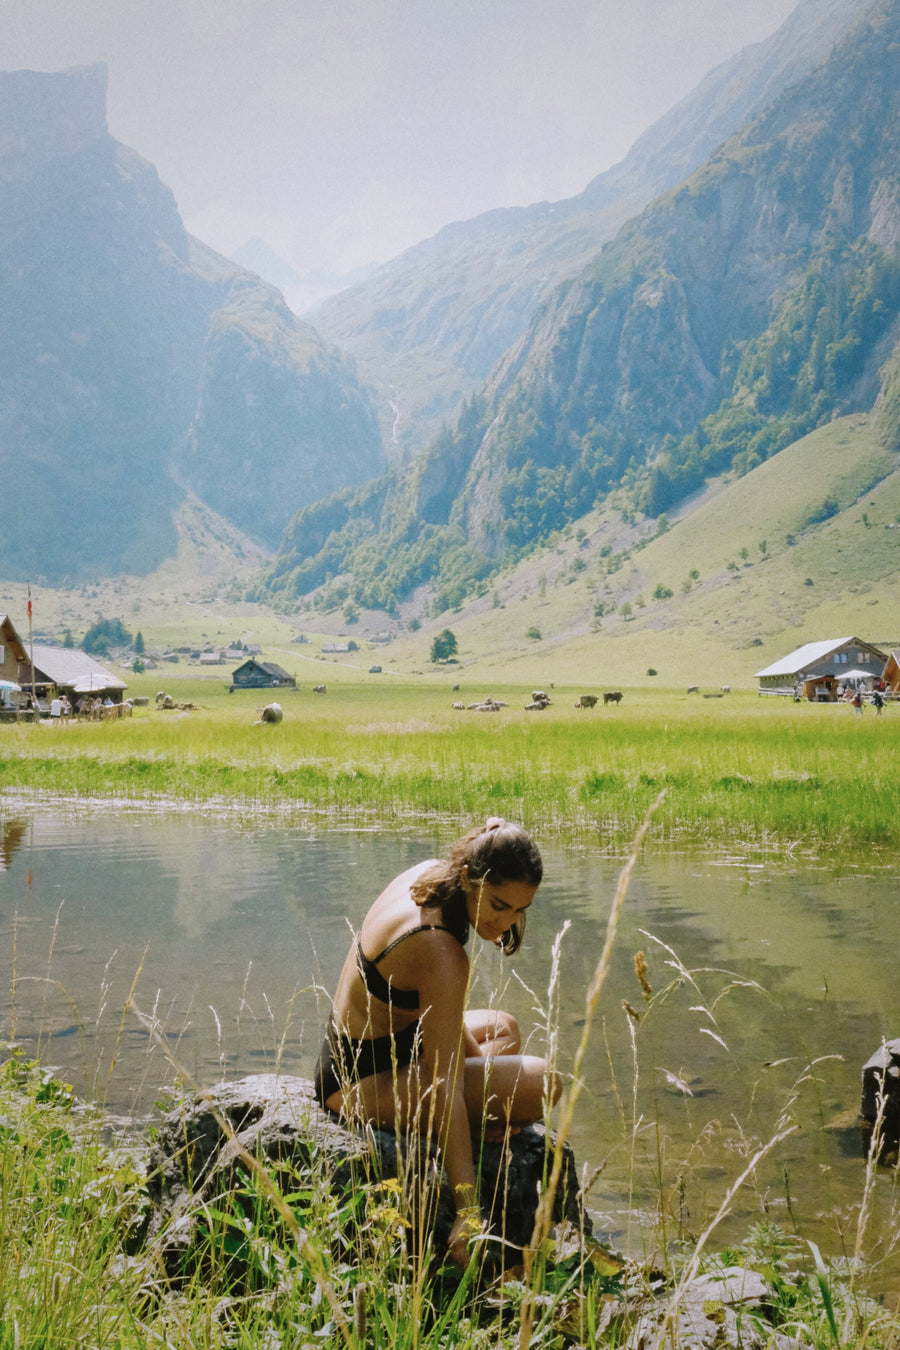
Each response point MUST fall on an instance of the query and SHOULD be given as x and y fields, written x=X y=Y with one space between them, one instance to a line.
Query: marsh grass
x=738 y=772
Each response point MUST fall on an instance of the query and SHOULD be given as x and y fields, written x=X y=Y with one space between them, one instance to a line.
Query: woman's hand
x=467 y=1225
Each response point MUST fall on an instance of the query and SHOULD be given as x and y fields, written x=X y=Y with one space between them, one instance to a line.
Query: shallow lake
x=773 y=982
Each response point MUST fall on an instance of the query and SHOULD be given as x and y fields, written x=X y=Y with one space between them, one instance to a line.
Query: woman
x=400 y=1046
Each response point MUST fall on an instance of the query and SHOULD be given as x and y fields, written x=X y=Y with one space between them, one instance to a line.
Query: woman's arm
x=443 y=984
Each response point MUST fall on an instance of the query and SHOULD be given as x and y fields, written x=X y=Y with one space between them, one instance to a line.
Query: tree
x=103 y=634
x=139 y=643
x=444 y=646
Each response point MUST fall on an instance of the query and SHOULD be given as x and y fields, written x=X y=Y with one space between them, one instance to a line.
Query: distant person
x=878 y=701
x=65 y=710
x=55 y=711
x=857 y=702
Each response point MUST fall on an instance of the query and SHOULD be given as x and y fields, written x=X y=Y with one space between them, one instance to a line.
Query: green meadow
x=738 y=771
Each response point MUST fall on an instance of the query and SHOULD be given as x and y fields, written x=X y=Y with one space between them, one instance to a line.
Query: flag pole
x=31 y=646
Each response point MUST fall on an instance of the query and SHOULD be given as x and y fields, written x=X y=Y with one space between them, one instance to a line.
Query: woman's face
x=494 y=907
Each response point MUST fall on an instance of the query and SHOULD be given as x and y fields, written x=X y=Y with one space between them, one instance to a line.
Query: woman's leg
x=500 y=1090
x=511 y=1090
x=491 y=1032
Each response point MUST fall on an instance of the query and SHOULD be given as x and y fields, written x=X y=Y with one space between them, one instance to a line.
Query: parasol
x=11 y=684
x=91 y=684
x=857 y=675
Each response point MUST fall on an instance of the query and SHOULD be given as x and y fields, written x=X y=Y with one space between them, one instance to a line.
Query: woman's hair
x=499 y=848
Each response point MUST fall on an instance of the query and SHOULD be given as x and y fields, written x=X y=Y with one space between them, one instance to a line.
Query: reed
x=738 y=772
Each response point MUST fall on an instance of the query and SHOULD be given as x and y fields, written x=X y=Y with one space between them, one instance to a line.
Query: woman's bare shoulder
x=403 y=884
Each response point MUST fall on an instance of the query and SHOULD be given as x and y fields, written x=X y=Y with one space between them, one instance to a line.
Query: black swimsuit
x=344 y=1059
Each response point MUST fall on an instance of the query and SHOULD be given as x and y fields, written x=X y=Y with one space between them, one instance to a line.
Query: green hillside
x=738 y=614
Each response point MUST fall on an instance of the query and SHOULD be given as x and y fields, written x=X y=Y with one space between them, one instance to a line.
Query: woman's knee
x=496 y=1032
x=507 y=1034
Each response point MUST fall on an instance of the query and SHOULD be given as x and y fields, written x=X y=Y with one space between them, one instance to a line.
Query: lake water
x=229 y=931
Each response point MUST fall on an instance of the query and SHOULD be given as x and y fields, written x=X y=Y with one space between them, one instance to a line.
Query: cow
x=319 y=689
x=587 y=701
x=271 y=713
x=726 y=688
x=612 y=696
x=539 y=701
x=693 y=689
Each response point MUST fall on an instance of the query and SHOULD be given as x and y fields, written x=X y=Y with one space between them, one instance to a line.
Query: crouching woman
x=401 y=1048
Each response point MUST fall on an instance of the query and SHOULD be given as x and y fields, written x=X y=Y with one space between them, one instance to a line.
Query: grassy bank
x=739 y=771
x=292 y=1261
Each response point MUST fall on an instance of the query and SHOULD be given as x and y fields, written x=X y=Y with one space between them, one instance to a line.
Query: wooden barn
x=255 y=674
x=815 y=670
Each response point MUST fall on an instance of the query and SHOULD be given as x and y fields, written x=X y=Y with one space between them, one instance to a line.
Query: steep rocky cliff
x=738 y=312
x=428 y=328
x=135 y=363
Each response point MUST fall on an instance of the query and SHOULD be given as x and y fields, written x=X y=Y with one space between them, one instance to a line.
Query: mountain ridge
x=131 y=357
x=427 y=329
x=735 y=314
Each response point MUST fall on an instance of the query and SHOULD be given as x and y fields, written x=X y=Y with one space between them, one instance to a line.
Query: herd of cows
x=539 y=701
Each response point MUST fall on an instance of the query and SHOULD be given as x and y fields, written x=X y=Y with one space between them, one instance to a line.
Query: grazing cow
x=587 y=701
x=612 y=696
x=488 y=705
x=272 y=712
x=693 y=689
x=458 y=707
x=319 y=689
x=726 y=688
x=539 y=701
x=164 y=700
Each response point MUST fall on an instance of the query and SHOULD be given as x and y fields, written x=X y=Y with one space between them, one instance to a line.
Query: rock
x=277 y=1118
x=712 y=1315
x=881 y=1074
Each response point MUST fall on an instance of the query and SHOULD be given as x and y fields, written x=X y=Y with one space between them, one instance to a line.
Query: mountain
x=427 y=329
x=136 y=364
x=302 y=291
x=757 y=301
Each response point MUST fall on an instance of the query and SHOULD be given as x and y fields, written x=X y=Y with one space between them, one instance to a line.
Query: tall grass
x=738 y=771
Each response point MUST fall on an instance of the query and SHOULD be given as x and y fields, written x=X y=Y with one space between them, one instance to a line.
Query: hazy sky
x=342 y=131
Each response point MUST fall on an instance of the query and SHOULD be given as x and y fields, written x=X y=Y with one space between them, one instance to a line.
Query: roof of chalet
x=810 y=654
x=69 y=666
x=269 y=667
x=13 y=638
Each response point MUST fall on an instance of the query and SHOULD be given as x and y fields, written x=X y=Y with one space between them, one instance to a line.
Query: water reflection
x=231 y=933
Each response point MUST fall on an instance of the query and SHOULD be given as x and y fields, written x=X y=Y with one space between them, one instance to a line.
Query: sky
x=343 y=131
